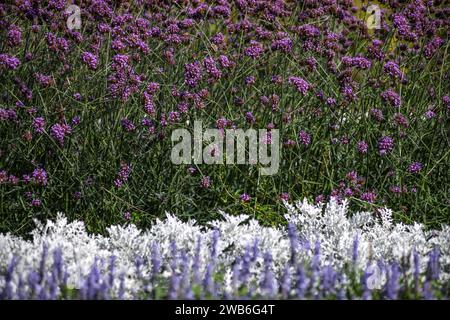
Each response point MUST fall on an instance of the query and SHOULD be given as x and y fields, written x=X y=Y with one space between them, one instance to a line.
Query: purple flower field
x=92 y=91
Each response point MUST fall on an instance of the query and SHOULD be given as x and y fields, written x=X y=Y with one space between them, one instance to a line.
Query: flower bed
x=323 y=254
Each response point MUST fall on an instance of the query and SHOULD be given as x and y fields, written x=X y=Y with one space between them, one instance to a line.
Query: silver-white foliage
x=332 y=225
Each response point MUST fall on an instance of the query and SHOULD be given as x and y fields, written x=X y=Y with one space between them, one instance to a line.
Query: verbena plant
x=86 y=114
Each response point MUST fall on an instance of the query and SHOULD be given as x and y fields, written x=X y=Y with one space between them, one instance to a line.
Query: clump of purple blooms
x=385 y=145
x=123 y=175
x=301 y=84
x=39 y=176
x=59 y=132
x=90 y=59
x=415 y=167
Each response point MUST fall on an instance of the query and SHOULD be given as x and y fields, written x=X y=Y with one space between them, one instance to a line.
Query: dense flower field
x=322 y=254
x=92 y=91
x=86 y=113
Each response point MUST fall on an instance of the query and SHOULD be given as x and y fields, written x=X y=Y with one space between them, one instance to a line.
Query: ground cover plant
x=322 y=254
x=91 y=91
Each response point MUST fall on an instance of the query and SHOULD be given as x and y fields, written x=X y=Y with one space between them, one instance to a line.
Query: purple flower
x=174 y=117
x=385 y=145
x=392 y=285
x=392 y=98
x=302 y=85
x=395 y=189
x=377 y=114
x=250 y=80
x=362 y=147
x=152 y=87
x=149 y=107
x=212 y=69
x=36 y=203
x=430 y=114
x=433 y=268
x=9 y=62
x=284 y=45
x=352 y=177
x=392 y=69
x=319 y=198
x=369 y=196
x=268 y=283
x=39 y=125
x=218 y=39
x=245 y=198
x=40 y=176
x=414 y=167
x=358 y=62
x=284 y=196
x=191 y=170
x=127 y=215
x=305 y=138
x=433 y=46
x=250 y=118
x=123 y=175
x=276 y=79
x=225 y=62
x=446 y=100
x=205 y=182
x=76 y=120
x=254 y=50
x=192 y=73
x=77 y=96
x=14 y=36
x=90 y=59
x=222 y=123
x=127 y=125
x=59 y=131
x=401 y=120
x=401 y=24
x=26 y=178
x=44 y=80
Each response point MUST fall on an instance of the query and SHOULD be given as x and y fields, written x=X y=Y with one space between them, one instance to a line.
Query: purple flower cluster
x=385 y=145
x=39 y=176
x=358 y=62
x=14 y=36
x=192 y=73
x=415 y=167
x=123 y=81
x=9 y=62
x=127 y=125
x=44 y=80
x=254 y=50
x=123 y=175
x=362 y=147
x=59 y=132
x=39 y=125
x=301 y=84
x=304 y=138
x=205 y=182
x=393 y=70
x=245 y=198
x=285 y=45
x=90 y=59
x=211 y=69
x=392 y=98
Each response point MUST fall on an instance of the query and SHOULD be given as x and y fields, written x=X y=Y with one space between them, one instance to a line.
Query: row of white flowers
x=378 y=238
